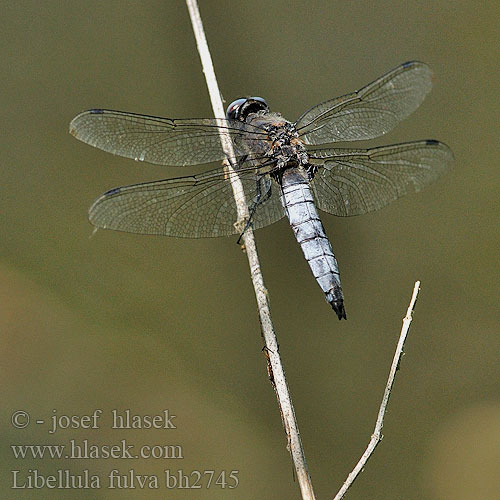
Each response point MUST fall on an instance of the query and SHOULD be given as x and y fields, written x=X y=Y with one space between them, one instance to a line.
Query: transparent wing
x=189 y=207
x=162 y=141
x=371 y=111
x=356 y=181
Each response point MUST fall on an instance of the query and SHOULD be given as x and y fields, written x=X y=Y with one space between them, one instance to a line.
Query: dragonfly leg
x=311 y=170
x=260 y=197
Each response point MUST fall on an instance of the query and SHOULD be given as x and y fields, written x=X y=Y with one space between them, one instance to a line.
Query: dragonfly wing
x=370 y=112
x=356 y=181
x=190 y=207
x=162 y=141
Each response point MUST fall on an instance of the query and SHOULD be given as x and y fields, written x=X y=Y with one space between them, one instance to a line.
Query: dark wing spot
x=407 y=64
x=113 y=191
x=96 y=111
x=431 y=142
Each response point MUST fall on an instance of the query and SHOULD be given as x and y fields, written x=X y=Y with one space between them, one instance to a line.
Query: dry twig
x=377 y=433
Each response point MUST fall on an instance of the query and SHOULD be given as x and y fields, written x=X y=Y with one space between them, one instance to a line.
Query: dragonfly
x=280 y=167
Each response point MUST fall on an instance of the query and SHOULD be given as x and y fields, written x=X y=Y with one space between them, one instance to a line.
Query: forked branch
x=377 y=433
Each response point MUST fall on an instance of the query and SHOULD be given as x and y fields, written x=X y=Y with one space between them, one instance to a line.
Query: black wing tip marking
x=74 y=124
x=435 y=142
x=93 y=213
x=111 y=192
x=442 y=145
x=411 y=64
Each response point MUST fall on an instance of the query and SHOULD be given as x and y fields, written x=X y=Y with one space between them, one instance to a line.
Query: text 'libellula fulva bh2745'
x=279 y=171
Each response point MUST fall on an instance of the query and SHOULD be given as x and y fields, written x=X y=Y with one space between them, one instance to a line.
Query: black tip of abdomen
x=338 y=307
x=336 y=299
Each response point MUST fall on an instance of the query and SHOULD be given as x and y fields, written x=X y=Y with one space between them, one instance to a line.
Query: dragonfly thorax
x=282 y=144
x=286 y=146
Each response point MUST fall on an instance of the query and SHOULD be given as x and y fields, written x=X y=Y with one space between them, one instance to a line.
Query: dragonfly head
x=241 y=108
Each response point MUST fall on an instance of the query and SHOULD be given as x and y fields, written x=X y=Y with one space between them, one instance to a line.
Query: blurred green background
x=150 y=323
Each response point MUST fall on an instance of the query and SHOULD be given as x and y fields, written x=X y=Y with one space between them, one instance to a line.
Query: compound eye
x=261 y=100
x=233 y=109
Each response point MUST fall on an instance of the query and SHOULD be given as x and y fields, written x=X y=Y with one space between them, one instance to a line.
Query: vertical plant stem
x=277 y=372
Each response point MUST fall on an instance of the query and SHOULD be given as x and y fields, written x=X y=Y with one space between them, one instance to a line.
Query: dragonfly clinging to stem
x=282 y=174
